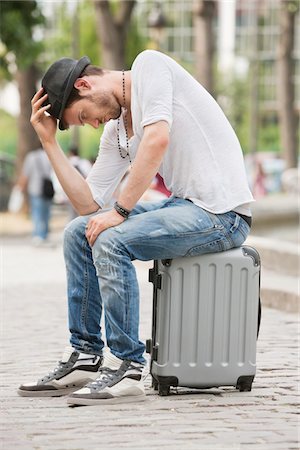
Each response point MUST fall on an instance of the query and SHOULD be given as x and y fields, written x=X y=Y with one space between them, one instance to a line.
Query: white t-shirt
x=204 y=160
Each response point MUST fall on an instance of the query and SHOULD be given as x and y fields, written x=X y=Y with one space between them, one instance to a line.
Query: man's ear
x=82 y=84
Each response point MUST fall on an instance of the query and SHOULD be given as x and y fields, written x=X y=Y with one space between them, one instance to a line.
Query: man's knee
x=104 y=242
x=75 y=229
x=106 y=249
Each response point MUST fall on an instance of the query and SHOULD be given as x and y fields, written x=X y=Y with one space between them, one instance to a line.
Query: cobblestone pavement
x=34 y=334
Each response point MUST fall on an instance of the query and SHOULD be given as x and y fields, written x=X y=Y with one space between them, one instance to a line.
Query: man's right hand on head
x=44 y=124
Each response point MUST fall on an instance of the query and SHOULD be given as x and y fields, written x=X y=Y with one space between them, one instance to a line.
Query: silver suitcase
x=206 y=316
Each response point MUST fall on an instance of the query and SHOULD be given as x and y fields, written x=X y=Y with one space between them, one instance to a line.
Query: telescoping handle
x=155 y=279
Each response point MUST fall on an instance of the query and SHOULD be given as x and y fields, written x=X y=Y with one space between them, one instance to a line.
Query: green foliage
x=22 y=22
x=19 y=32
x=89 y=141
x=58 y=42
x=89 y=137
x=8 y=133
x=61 y=42
x=61 y=34
x=292 y=6
x=269 y=135
x=234 y=97
x=135 y=43
x=88 y=44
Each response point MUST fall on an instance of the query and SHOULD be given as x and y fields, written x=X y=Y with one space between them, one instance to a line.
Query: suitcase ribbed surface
x=207 y=319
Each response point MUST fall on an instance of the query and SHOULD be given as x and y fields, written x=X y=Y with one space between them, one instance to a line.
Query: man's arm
x=146 y=164
x=70 y=179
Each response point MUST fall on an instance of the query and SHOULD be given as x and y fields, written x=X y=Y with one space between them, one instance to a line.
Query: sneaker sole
x=50 y=393
x=72 y=401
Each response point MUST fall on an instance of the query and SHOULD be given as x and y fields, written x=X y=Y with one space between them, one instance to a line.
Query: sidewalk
x=34 y=332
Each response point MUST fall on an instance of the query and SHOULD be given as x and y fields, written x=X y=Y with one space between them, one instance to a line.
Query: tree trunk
x=204 y=11
x=112 y=30
x=285 y=85
x=27 y=137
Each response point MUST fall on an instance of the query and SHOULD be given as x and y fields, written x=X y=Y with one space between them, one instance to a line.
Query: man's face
x=92 y=109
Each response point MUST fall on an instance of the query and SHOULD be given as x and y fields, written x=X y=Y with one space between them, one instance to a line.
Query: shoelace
x=106 y=375
x=58 y=370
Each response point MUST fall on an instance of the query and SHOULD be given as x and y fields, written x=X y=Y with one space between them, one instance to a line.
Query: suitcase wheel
x=244 y=383
x=163 y=390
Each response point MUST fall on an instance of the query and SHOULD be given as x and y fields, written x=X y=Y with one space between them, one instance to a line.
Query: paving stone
x=34 y=334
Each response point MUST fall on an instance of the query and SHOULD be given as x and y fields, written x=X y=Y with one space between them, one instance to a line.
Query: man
x=36 y=167
x=158 y=119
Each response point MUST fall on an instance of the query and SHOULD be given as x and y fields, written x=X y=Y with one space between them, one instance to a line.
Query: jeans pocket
x=208 y=241
x=208 y=247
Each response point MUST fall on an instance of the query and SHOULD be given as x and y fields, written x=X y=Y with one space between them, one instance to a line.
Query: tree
x=18 y=23
x=203 y=15
x=286 y=87
x=113 y=20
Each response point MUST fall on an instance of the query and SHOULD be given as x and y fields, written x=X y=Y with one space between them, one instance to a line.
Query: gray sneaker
x=121 y=383
x=72 y=372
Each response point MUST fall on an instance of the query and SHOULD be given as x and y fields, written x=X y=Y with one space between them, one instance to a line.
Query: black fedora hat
x=58 y=83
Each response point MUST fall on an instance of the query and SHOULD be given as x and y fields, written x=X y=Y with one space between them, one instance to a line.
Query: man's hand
x=44 y=125
x=101 y=222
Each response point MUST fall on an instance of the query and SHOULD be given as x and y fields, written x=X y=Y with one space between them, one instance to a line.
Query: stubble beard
x=109 y=103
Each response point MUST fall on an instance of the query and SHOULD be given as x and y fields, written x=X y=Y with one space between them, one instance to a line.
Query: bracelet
x=122 y=211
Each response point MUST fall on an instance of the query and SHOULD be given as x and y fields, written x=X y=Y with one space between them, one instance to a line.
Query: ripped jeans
x=104 y=277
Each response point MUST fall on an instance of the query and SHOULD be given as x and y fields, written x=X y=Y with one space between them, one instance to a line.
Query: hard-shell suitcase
x=206 y=316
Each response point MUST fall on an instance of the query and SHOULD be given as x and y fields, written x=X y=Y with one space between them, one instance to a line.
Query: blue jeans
x=104 y=277
x=40 y=214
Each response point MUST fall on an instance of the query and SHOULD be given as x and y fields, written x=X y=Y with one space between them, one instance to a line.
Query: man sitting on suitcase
x=158 y=119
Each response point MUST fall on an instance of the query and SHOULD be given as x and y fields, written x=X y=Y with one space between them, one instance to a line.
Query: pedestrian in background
x=83 y=165
x=35 y=170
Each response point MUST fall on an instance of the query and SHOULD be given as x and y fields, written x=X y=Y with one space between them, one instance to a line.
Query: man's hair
x=88 y=71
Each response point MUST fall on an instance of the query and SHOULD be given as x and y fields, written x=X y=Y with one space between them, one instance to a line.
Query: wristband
x=122 y=211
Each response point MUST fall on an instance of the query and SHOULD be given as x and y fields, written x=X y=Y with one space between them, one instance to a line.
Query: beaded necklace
x=127 y=154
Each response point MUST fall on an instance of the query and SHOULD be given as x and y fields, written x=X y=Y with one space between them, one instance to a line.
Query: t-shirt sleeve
x=108 y=169
x=152 y=79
